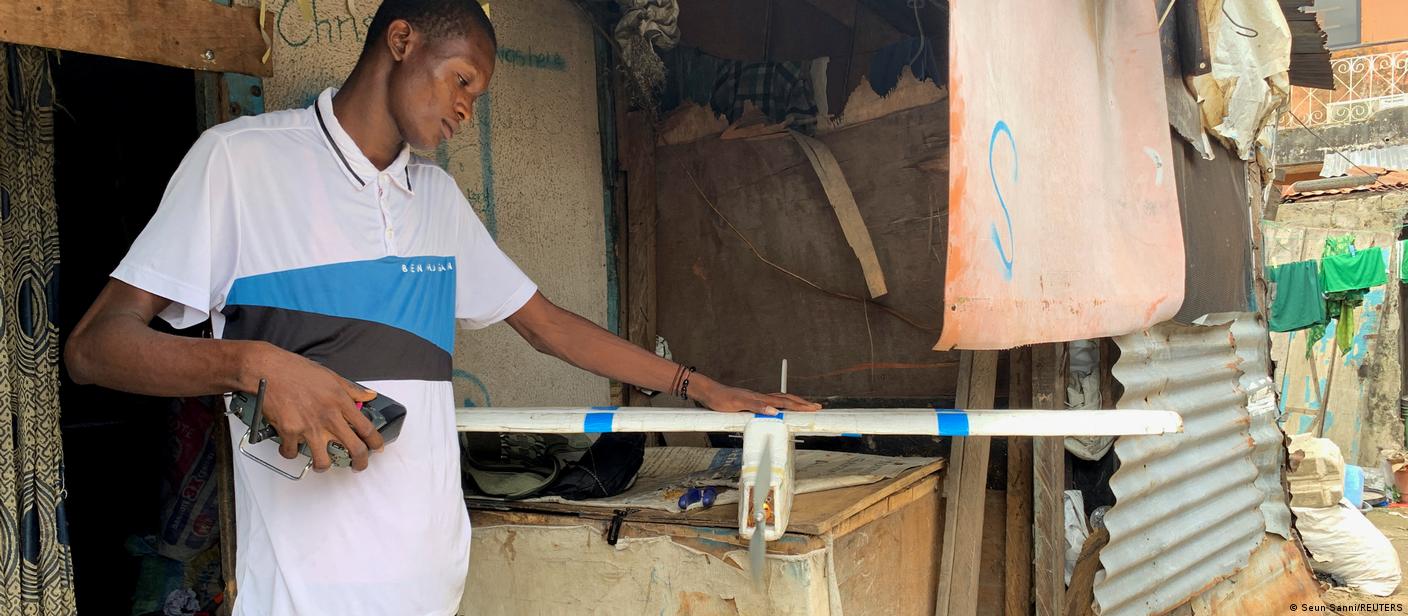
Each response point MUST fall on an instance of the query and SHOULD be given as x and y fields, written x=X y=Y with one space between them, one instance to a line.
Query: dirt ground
x=1394 y=524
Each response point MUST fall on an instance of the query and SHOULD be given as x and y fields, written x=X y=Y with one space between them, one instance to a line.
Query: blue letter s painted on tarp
x=1003 y=249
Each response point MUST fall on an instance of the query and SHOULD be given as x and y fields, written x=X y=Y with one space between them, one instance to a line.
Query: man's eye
x=463 y=83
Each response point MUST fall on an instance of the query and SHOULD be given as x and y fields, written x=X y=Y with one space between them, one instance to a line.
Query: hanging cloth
x=36 y=565
x=1298 y=302
x=1359 y=270
x=1341 y=304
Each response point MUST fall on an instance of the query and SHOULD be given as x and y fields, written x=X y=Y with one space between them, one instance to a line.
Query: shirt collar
x=354 y=164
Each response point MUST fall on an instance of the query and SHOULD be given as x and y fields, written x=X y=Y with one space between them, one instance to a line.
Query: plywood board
x=1063 y=217
x=725 y=310
x=195 y=34
x=905 y=545
x=533 y=563
x=812 y=514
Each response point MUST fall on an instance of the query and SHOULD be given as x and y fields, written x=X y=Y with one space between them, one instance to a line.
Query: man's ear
x=400 y=37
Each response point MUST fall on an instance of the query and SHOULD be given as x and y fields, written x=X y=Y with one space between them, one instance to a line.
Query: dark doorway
x=121 y=129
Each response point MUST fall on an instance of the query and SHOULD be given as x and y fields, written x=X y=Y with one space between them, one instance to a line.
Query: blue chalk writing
x=1003 y=249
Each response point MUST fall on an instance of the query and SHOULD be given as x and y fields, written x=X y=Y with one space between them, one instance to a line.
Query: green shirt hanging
x=1298 y=303
x=1347 y=272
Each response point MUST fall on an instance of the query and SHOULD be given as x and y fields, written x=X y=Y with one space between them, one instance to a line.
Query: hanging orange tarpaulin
x=1063 y=220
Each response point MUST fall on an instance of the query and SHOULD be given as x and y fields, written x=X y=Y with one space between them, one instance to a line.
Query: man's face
x=434 y=86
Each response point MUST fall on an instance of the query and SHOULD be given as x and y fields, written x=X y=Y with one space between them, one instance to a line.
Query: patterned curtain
x=36 y=567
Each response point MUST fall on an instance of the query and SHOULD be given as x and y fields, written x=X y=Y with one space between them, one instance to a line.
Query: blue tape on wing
x=598 y=422
x=952 y=423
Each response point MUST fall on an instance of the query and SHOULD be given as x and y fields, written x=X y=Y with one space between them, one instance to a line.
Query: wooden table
x=870 y=549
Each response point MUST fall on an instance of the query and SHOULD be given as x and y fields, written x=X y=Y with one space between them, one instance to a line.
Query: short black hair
x=437 y=19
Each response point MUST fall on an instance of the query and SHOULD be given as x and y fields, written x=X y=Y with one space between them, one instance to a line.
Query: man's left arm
x=552 y=330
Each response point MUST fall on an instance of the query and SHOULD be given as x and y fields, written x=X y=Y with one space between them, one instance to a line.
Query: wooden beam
x=1017 y=600
x=963 y=539
x=637 y=160
x=1081 y=595
x=843 y=202
x=1048 y=482
x=194 y=34
x=225 y=507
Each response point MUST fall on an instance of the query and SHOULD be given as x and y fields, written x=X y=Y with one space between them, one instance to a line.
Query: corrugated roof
x=1253 y=342
x=1387 y=180
x=1391 y=157
x=1187 y=512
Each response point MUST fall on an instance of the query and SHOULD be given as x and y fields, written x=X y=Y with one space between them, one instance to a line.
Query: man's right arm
x=114 y=346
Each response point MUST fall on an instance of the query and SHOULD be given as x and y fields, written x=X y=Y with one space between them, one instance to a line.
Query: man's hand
x=580 y=342
x=114 y=346
x=725 y=399
x=307 y=403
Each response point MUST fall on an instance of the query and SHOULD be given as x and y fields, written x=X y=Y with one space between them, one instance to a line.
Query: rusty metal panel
x=1187 y=512
x=1212 y=195
x=1277 y=577
x=1063 y=220
x=1253 y=342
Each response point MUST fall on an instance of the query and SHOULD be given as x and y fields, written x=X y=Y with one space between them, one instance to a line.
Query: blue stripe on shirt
x=416 y=294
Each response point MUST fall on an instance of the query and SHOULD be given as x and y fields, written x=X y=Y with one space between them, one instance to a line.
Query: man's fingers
x=318 y=446
x=359 y=393
x=356 y=449
x=363 y=428
x=791 y=402
x=801 y=404
x=288 y=446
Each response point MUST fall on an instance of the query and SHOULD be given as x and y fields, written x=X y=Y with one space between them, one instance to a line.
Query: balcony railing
x=1364 y=85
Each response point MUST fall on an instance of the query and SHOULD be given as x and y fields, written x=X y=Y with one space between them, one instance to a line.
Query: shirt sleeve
x=489 y=286
x=187 y=251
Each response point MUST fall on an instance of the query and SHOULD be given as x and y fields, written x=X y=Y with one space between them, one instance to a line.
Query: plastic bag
x=1345 y=544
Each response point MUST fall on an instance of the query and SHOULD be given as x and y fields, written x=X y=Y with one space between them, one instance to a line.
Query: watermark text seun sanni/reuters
x=1350 y=608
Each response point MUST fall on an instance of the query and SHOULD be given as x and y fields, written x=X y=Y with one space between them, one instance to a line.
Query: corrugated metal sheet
x=1268 y=441
x=1392 y=157
x=1187 y=512
x=1277 y=577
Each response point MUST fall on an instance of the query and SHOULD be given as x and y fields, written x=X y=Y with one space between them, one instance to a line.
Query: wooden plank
x=194 y=34
x=225 y=509
x=992 y=570
x=1017 y=599
x=1048 y=482
x=1018 y=555
x=815 y=513
x=636 y=159
x=1109 y=353
x=952 y=479
x=958 y=572
x=890 y=565
x=1081 y=594
x=843 y=202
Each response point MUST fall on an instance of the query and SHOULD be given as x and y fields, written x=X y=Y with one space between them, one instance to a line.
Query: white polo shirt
x=278 y=228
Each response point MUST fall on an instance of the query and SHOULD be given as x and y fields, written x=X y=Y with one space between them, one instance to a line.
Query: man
x=324 y=254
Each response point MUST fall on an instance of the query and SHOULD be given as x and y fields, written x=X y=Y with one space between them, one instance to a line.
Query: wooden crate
x=868 y=550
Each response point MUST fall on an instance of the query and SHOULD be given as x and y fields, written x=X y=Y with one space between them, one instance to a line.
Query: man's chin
x=425 y=145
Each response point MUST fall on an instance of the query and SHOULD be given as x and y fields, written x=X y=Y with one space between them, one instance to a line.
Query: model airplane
x=767 y=439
